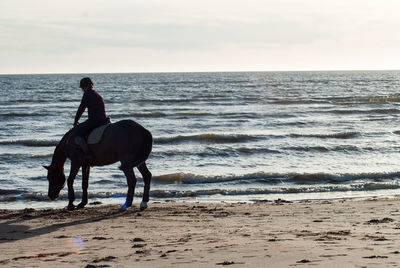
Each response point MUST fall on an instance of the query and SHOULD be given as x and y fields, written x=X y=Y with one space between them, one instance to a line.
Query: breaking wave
x=371 y=111
x=7 y=196
x=277 y=178
x=31 y=142
x=6 y=115
x=207 y=138
x=341 y=135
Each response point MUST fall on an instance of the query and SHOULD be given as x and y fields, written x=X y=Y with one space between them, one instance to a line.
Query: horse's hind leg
x=146 y=178
x=131 y=179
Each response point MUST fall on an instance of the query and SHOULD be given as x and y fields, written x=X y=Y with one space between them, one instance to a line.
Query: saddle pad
x=96 y=134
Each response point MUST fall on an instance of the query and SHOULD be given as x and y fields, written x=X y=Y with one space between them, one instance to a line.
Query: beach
x=278 y=233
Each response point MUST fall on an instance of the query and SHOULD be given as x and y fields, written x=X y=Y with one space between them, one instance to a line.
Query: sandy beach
x=265 y=234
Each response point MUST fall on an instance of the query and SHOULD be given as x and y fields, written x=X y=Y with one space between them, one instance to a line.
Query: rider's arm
x=81 y=109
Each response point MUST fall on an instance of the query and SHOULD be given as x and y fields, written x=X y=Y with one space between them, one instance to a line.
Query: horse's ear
x=47 y=167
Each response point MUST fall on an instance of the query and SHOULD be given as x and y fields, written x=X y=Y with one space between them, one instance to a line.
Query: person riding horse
x=93 y=101
x=125 y=141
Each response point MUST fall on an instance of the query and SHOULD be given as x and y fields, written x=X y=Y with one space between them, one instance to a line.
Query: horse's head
x=56 y=182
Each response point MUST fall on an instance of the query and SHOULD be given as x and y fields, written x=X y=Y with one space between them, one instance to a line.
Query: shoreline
x=119 y=199
x=341 y=233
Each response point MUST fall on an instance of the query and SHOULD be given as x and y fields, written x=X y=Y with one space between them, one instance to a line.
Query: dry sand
x=265 y=234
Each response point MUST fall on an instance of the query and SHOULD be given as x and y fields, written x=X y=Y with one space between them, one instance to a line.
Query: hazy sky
x=85 y=36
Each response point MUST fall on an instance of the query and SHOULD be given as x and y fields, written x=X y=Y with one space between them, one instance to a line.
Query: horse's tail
x=143 y=152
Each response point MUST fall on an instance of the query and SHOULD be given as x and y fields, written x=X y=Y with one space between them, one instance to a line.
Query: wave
x=346 y=148
x=245 y=150
x=207 y=138
x=6 y=115
x=273 y=190
x=191 y=114
x=308 y=148
x=7 y=157
x=194 y=114
x=277 y=178
x=218 y=152
x=144 y=115
x=119 y=197
x=372 y=111
x=8 y=191
x=31 y=142
x=341 y=135
x=28 y=101
x=367 y=100
x=40 y=156
x=261 y=179
x=164 y=101
x=189 y=178
x=297 y=101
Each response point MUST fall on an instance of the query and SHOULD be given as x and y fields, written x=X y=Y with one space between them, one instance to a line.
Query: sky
x=96 y=36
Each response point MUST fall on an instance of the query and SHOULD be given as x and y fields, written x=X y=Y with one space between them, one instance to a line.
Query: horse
x=125 y=141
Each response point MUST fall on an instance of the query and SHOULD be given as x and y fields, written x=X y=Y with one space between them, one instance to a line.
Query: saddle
x=96 y=134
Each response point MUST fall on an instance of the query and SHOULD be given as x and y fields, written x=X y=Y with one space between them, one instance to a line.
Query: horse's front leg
x=71 y=194
x=85 y=185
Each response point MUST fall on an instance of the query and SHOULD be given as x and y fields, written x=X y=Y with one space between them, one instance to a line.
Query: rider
x=96 y=116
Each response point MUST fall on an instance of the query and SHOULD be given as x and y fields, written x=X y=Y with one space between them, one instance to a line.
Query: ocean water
x=217 y=136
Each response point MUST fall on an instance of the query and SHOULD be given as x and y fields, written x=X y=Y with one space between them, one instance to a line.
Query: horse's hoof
x=71 y=207
x=143 y=205
x=125 y=206
x=81 y=205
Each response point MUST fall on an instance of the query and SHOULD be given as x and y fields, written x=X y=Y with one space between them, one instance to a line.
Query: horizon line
x=177 y=72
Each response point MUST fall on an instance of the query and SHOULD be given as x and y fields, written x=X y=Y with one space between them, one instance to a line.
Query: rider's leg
x=81 y=131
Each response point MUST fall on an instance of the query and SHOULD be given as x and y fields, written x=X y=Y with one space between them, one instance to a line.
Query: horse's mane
x=59 y=152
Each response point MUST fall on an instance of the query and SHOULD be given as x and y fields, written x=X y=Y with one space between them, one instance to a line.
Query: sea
x=218 y=137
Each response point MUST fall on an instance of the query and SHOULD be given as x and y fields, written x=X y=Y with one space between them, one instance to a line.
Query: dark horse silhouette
x=125 y=141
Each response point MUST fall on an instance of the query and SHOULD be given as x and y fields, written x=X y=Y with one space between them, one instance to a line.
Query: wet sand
x=264 y=234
